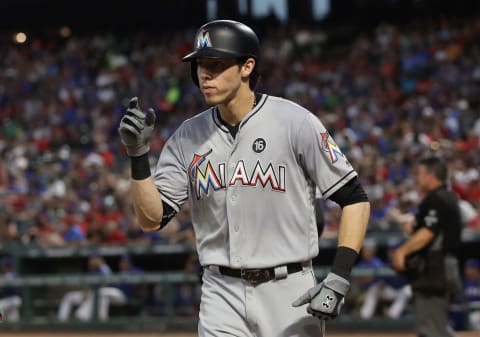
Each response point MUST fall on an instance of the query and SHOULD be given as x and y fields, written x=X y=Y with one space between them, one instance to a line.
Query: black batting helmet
x=224 y=39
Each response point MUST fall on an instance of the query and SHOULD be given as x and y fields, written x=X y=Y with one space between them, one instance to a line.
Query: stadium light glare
x=20 y=37
x=65 y=31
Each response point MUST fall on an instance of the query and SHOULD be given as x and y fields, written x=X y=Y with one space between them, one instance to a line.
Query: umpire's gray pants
x=431 y=311
x=431 y=315
x=232 y=307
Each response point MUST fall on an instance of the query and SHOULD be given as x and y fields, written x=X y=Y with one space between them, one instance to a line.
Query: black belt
x=258 y=275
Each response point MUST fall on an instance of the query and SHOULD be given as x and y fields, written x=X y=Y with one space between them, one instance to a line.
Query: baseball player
x=248 y=167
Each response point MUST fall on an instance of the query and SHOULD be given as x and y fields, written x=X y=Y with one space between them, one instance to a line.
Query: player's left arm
x=326 y=299
x=337 y=180
x=355 y=215
x=353 y=225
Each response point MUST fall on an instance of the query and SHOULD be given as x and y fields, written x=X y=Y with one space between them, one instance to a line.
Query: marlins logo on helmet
x=203 y=40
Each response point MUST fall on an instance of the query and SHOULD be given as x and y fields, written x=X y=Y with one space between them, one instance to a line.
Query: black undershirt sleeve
x=168 y=214
x=351 y=193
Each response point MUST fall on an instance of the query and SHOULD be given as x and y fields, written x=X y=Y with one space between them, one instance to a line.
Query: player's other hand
x=325 y=299
x=136 y=128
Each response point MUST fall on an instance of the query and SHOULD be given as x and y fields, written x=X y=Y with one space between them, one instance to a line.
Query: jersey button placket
x=232 y=212
x=235 y=238
x=233 y=227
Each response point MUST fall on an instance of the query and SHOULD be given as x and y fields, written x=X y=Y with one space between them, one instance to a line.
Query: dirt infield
x=88 y=334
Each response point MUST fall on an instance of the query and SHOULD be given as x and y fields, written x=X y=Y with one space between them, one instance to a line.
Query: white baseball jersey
x=251 y=196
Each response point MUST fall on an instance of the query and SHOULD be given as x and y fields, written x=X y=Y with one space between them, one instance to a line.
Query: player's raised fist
x=133 y=104
x=136 y=128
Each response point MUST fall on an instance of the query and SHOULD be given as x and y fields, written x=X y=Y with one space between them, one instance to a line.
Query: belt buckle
x=255 y=276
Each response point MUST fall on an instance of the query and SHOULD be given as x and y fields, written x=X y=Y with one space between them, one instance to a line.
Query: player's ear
x=247 y=67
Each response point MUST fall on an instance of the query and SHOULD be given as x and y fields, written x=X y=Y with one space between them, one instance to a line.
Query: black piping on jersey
x=219 y=123
x=170 y=200
x=233 y=129
x=168 y=211
x=168 y=214
x=258 y=97
x=338 y=182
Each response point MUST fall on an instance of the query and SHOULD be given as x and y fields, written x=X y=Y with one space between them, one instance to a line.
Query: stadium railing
x=26 y=282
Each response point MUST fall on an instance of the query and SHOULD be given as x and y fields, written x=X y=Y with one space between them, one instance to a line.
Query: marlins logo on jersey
x=329 y=145
x=259 y=175
x=203 y=180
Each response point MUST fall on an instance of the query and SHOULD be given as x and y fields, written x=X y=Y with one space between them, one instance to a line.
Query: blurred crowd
x=387 y=98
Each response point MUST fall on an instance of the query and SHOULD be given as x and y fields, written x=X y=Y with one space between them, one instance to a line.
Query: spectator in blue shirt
x=126 y=266
x=394 y=289
x=471 y=289
x=366 y=266
x=73 y=232
x=10 y=302
x=85 y=298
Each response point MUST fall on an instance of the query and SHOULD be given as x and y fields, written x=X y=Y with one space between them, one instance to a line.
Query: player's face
x=219 y=79
x=94 y=262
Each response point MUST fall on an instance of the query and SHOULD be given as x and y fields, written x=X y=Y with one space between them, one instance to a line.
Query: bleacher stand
x=388 y=98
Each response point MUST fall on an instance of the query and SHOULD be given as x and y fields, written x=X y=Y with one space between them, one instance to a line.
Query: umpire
x=429 y=257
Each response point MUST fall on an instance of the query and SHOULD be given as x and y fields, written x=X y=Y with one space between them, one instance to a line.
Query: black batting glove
x=136 y=129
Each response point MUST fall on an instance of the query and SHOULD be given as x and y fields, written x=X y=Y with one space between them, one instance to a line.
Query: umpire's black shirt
x=440 y=213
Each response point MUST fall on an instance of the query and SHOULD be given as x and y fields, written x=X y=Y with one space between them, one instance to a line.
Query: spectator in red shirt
x=113 y=234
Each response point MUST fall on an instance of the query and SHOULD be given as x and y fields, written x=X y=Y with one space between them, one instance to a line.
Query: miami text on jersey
x=260 y=175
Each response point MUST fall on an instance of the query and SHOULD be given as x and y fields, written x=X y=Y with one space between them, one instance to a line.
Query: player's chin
x=211 y=99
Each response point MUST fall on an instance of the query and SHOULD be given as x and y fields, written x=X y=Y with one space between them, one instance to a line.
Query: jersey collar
x=222 y=125
x=261 y=98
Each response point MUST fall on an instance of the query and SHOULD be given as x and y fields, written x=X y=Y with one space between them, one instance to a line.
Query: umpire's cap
x=224 y=39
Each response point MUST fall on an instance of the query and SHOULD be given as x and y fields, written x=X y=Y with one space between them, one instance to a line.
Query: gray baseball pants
x=232 y=307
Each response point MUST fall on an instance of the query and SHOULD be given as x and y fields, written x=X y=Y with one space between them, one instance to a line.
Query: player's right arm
x=147 y=204
x=135 y=131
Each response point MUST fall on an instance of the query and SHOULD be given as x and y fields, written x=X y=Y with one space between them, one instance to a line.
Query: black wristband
x=344 y=261
x=140 y=167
